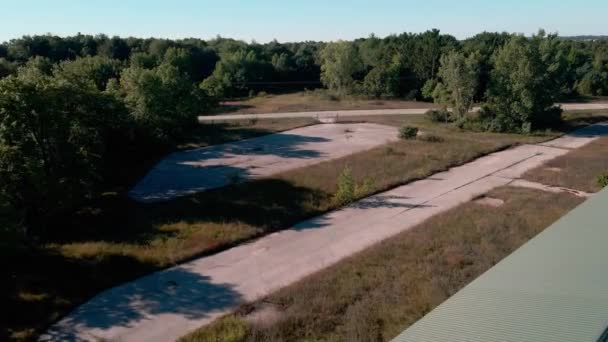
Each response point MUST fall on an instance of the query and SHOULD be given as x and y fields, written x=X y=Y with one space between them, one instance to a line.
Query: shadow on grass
x=44 y=285
x=267 y=204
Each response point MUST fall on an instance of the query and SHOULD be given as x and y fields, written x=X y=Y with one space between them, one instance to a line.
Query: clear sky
x=296 y=20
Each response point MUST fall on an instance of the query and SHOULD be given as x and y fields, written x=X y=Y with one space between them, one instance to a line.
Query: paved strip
x=202 y=169
x=166 y=305
x=364 y=112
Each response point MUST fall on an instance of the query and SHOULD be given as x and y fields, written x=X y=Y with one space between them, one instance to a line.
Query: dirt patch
x=490 y=201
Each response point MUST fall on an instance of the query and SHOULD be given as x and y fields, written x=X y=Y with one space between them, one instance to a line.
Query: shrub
x=438 y=115
x=348 y=190
x=602 y=180
x=408 y=132
x=346 y=187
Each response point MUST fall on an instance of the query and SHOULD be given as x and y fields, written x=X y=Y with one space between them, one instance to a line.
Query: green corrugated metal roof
x=554 y=288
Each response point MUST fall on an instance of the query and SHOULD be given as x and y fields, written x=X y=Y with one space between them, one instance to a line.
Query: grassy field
x=312 y=101
x=577 y=170
x=376 y=294
x=114 y=240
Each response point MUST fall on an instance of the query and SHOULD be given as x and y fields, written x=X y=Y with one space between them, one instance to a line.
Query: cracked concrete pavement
x=202 y=169
x=168 y=304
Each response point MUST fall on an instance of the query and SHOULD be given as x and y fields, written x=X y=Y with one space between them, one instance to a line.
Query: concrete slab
x=166 y=305
x=188 y=172
x=324 y=115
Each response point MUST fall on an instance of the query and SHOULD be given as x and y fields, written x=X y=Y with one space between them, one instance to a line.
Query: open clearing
x=188 y=172
x=116 y=240
x=197 y=292
x=376 y=294
x=312 y=101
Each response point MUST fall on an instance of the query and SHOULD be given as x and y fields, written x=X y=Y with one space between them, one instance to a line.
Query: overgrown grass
x=578 y=169
x=319 y=100
x=379 y=292
x=114 y=240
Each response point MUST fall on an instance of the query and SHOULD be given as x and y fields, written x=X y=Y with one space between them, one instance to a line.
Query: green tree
x=7 y=67
x=89 y=71
x=523 y=87
x=235 y=72
x=382 y=81
x=340 y=63
x=458 y=80
x=162 y=100
x=52 y=142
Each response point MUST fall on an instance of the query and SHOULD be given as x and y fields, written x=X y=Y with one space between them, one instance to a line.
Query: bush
x=408 y=132
x=346 y=187
x=602 y=180
x=438 y=115
x=348 y=190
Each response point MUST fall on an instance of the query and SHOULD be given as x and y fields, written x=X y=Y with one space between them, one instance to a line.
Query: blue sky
x=296 y=20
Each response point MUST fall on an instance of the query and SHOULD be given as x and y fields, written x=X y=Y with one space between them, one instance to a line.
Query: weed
x=408 y=132
x=346 y=187
x=602 y=180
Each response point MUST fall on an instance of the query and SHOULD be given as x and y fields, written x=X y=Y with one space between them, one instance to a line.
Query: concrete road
x=188 y=172
x=340 y=113
x=168 y=304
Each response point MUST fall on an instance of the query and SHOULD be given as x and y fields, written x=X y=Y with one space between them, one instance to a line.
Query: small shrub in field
x=431 y=138
x=438 y=115
x=408 y=132
x=602 y=180
x=253 y=121
x=346 y=187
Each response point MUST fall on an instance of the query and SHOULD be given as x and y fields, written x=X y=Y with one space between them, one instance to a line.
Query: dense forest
x=69 y=107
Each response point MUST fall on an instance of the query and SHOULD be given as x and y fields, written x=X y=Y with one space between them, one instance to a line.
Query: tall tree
x=340 y=63
x=523 y=90
x=458 y=80
x=52 y=141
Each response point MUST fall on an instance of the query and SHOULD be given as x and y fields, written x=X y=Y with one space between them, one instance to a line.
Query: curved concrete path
x=168 y=304
x=370 y=112
x=202 y=169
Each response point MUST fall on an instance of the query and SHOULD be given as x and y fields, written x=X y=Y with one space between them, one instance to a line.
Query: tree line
x=69 y=106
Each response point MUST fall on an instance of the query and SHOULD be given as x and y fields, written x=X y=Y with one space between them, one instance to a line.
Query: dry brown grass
x=313 y=101
x=115 y=240
x=578 y=169
x=379 y=292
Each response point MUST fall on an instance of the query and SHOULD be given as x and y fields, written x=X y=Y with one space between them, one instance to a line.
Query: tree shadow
x=268 y=204
x=374 y=202
x=188 y=172
x=177 y=291
x=593 y=130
